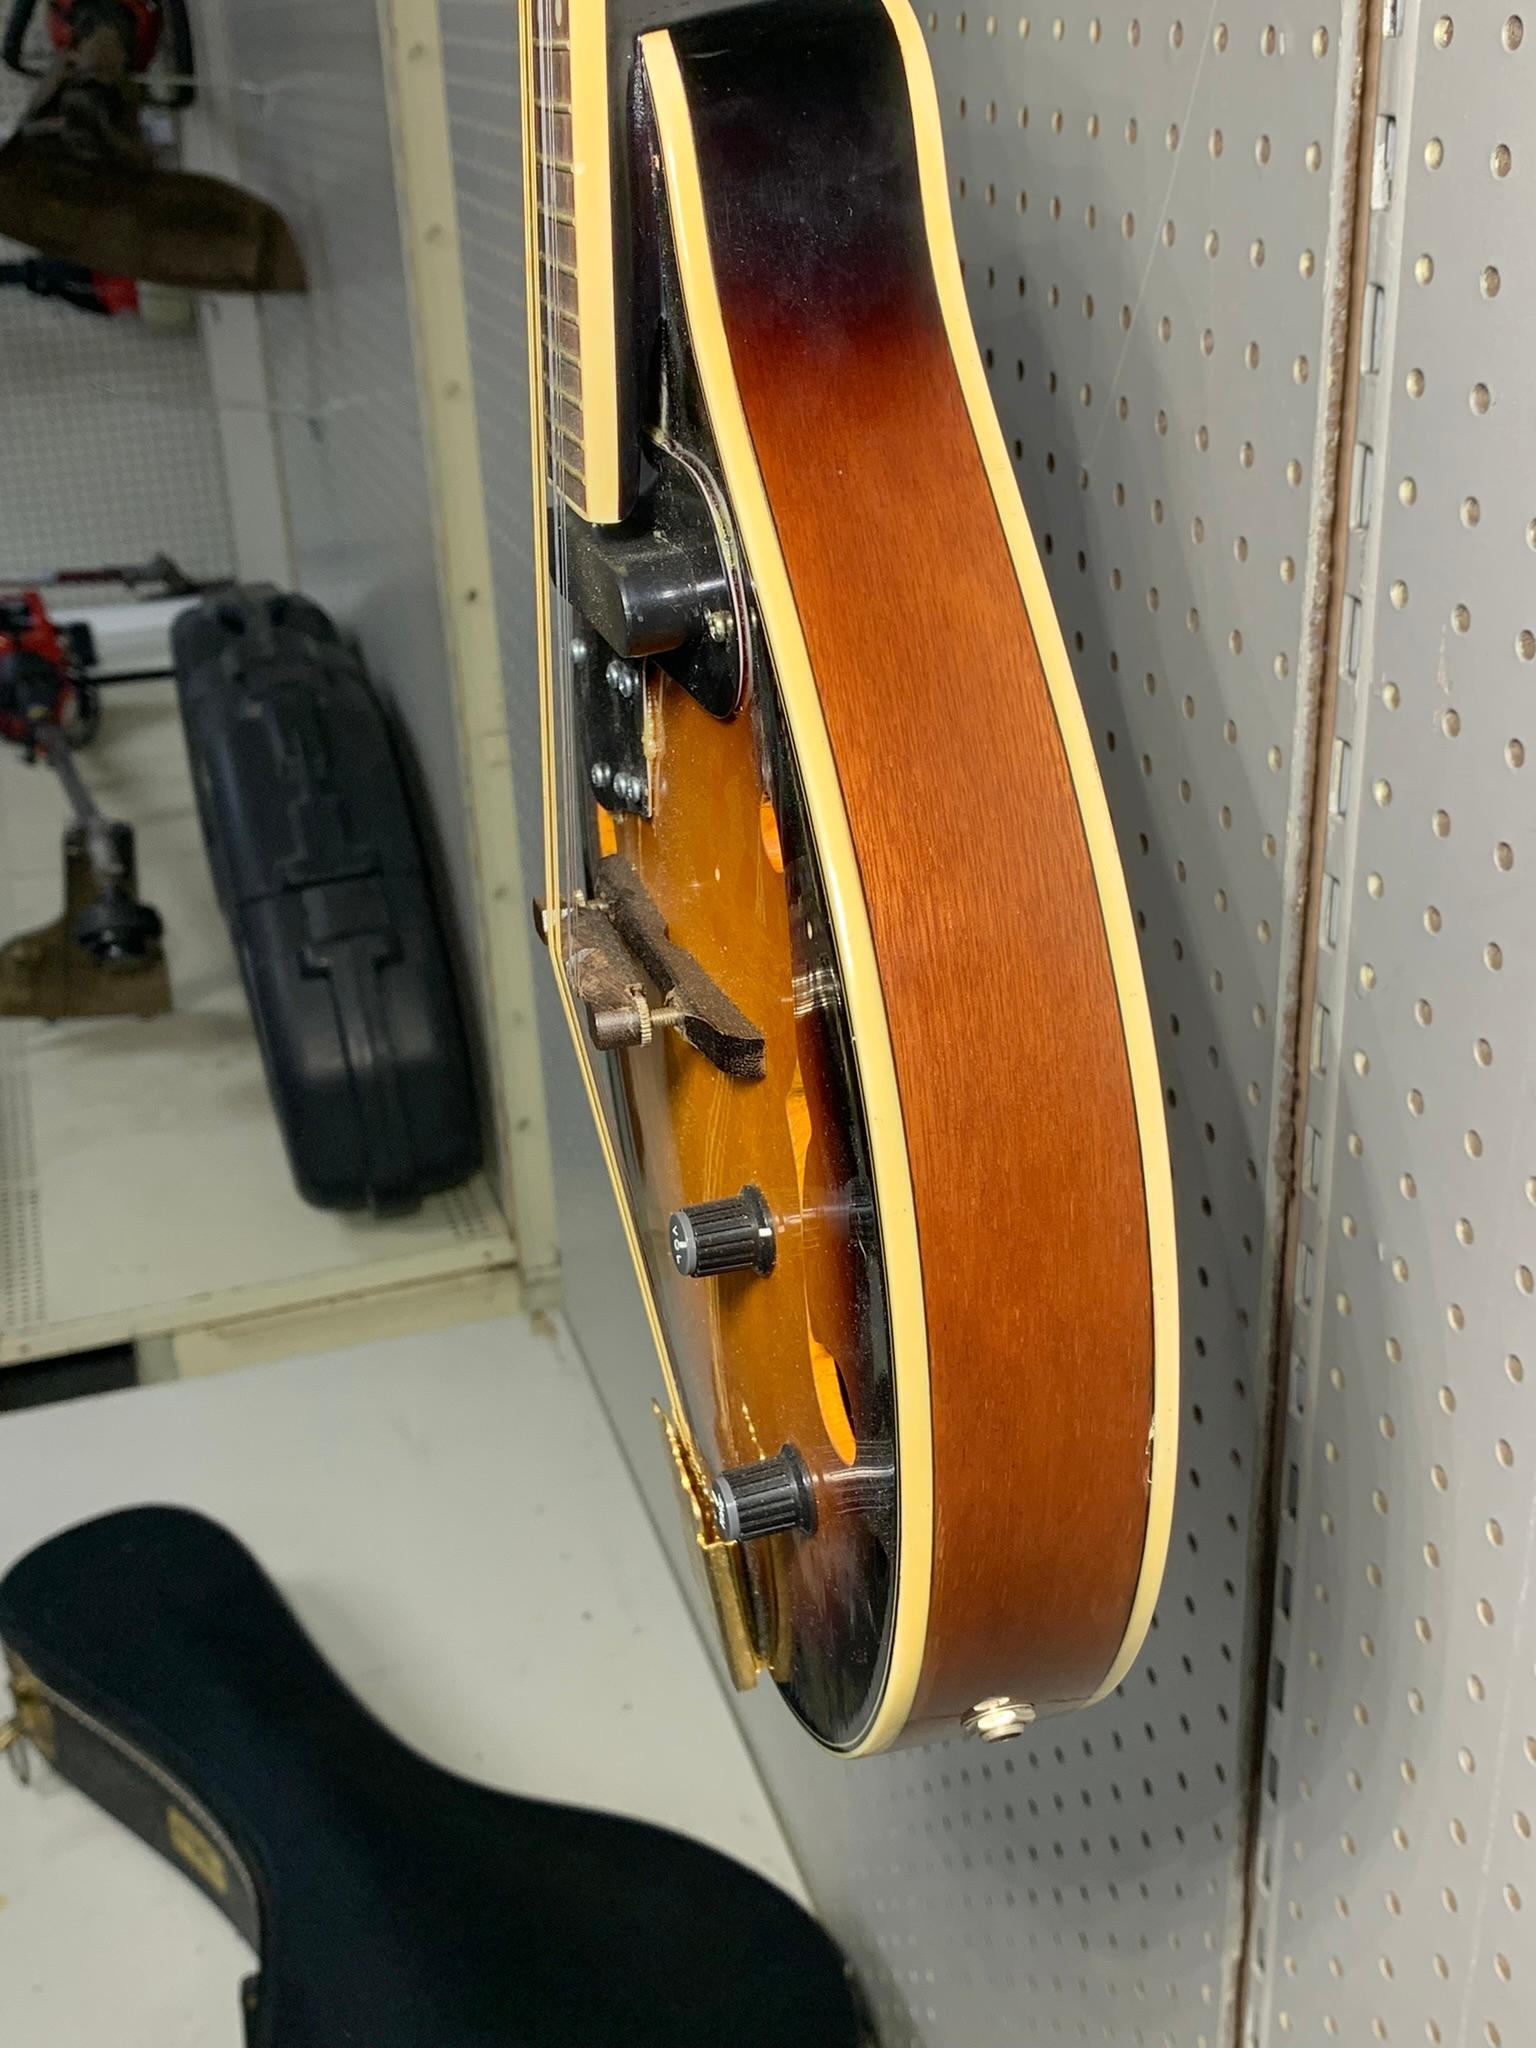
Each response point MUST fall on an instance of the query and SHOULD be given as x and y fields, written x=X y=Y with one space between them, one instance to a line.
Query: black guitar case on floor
x=320 y=878
x=392 y=1904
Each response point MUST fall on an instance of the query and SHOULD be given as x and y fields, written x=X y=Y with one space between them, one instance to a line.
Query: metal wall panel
x=1396 y=1865
x=108 y=434
x=1150 y=214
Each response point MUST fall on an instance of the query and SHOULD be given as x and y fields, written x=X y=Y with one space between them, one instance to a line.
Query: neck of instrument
x=559 y=285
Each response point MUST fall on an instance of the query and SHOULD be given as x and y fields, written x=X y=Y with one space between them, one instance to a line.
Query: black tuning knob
x=723 y=1237
x=765 y=1498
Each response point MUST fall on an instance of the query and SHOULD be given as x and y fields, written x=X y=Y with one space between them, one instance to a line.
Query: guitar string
x=563 y=16
x=553 y=16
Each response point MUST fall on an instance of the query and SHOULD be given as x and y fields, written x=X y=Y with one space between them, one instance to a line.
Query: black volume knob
x=762 y=1499
x=722 y=1237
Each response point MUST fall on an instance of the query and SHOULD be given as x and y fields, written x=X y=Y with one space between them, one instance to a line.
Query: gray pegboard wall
x=1396 y=1866
x=108 y=433
x=1151 y=216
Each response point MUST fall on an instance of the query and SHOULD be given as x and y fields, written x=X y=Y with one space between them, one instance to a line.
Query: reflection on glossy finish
x=797 y=1355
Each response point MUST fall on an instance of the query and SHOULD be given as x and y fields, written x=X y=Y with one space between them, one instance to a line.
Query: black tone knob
x=765 y=1498
x=722 y=1237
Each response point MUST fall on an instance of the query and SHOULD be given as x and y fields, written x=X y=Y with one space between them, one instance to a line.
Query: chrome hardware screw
x=622 y=678
x=719 y=626
x=998 y=1719
x=602 y=775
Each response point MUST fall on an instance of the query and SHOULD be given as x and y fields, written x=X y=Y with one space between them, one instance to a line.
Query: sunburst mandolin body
x=833 y=893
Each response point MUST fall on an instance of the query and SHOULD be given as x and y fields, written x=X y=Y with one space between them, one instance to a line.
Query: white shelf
x=452 y=1521
x=143 y=1184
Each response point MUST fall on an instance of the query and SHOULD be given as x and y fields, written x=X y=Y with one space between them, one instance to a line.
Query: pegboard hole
x=1479 y=398
x=1490 y=281
x=1434 y=153
x=1514 y=32
x=1500 y=160
x=1445 y=31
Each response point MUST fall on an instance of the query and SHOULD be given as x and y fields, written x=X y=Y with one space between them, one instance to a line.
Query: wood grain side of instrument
x=1098 y=827
x=1004 y=1012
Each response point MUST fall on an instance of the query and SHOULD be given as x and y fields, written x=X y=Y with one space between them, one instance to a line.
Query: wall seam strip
x=411 y=38
x=1305 y=875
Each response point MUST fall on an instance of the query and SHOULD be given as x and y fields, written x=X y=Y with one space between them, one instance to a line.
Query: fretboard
x=558 y=281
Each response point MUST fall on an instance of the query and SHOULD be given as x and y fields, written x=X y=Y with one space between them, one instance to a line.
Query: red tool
x=80 y=181
x=41 y=676
x=48 y=709
x=139 y=25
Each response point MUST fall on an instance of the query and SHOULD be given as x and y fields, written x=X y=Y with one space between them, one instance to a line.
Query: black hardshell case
x=320 y=877
x=392 y=1903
